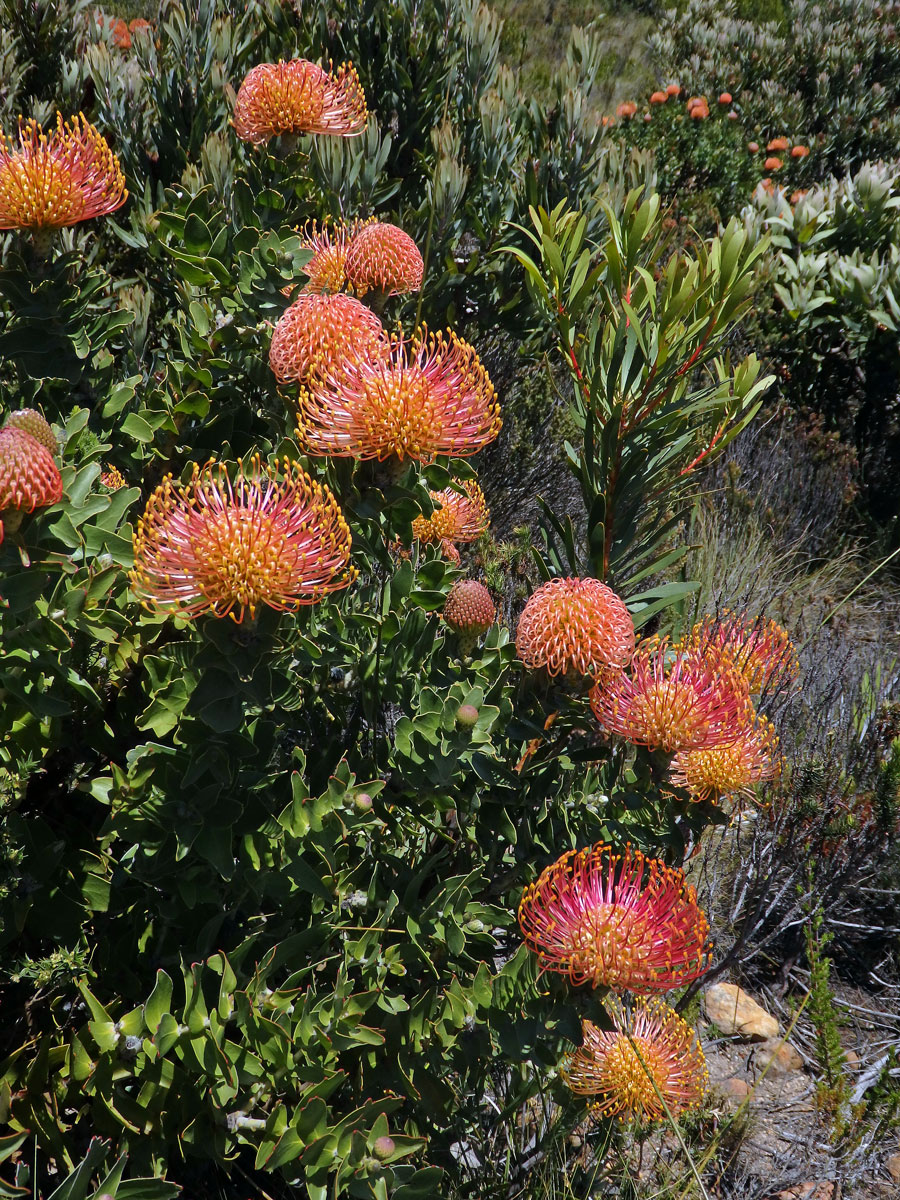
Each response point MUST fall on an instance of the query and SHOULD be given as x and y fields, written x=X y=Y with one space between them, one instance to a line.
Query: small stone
x=737 y=1014
x=808 y=1191
x=736 y=1088
x=893 y=1167
x=851 y=1060
x=780 y=1057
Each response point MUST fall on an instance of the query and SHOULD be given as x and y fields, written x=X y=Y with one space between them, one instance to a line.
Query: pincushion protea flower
x=299 y=97
x=575 y=625
x=682 y=704
x=459 y=517
x=220 y=546
x=29 y=478
x=733 y=769
x=650 y=1061
x=113 y=478
x=328 y=242
x=429 y=395
x=383 y=258
x=760 y=651
x=32 y=422
x=48 y=181
x=328 y=329
x=618 y=921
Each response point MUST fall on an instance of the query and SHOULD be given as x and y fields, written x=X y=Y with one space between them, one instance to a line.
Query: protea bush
x=311 y=843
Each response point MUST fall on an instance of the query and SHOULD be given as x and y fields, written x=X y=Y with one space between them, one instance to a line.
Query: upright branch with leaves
x=645 y=337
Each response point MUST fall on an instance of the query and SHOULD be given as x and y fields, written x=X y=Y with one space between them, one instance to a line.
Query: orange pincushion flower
x=223 y=546
x=773 y=164
x=429 y=395
x=684 y=704
x=725 y=98
x=458 y=517
x=48 y=181
x=699 y=112
x=659 y=97
x=469 y=609
x=328 y=328
x=113 y=478
x=381 y=257
x=778 y=143
x=299 y=97
x=673 y=90
x=733 y=769
x=617 y=921
x=650 y=1061
x=120 y=34
x=575 y=625
x=626 y=110
x=761 y=652
x=32 y=422
x=799 y=151
x=327 y=267
x=29 y=478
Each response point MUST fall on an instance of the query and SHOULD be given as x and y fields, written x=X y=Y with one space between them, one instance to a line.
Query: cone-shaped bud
x=575 y=625
x=32 y=422
x=673 y=703
x=650 y=1061
x=223 y=546
x=382 y=258
x=616 y=921
x=324 y=330
x=29 y=478
x=384 y=1147
x=469 y=608
x=48 y=181
x=299 y=97
x=430 y=395
x=467 y=716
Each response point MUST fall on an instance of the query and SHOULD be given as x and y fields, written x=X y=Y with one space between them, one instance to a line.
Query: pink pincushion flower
x=299 y=97
x=575 y=625
x=618 y=921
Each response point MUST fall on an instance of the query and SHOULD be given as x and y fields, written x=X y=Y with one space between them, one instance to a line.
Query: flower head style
x=429 y=395
x=328 y=329
x=382 y=258
x=650 y=1061
x=29 y=478
x=682 y=704
x=575 y=625
x=618 y=921
x=459 y=517
x=32 y=422
x=732 y=770
x=761 y=652
x=469 y=610
x=113 y=479
x=48 y=181
x=224 y=547
x=299 y=97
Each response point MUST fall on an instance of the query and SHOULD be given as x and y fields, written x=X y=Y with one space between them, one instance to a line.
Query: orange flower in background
x=725 y=98
x=699 y=112
x=800 y=151
x=696 y=101
x=120 y=34
x=383 y=258
x=673 y=702
x=779 y=143
x=327 y=330
x=730 y=770
x=626 y=110
x=760 y=651
x=222 y=546
x=459 y=517
x=618 y=921
x=48 y=181
x=673 y=90
x=428 y=395
x=650 y=1061
x=299 y=97
x=773 y=164
x=659 y=97
x=113 y=478
x=29 y=478
x=575 y=625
